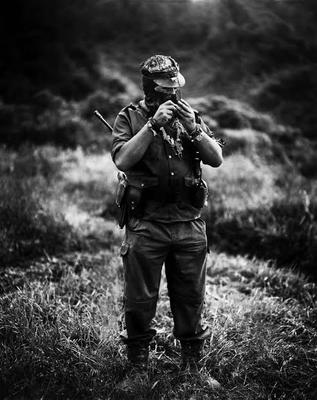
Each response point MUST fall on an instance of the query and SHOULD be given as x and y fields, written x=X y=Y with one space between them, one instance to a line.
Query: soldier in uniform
x=159 y=144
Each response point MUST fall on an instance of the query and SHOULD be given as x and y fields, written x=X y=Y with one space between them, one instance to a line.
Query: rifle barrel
x=98 y=115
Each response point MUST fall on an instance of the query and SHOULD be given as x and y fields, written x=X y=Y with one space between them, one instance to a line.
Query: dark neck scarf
x=173 y=131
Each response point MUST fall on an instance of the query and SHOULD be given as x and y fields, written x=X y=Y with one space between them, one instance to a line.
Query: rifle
x=101 y=118
x=122 y=182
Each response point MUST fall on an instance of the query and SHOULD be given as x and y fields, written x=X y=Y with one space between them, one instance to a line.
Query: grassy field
x=61 y=278
x=59 y=333
x=61 y=287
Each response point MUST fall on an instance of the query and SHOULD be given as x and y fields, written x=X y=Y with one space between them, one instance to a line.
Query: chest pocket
x=156 y=150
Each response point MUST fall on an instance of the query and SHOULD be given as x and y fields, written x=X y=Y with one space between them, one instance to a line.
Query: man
x=159 y=143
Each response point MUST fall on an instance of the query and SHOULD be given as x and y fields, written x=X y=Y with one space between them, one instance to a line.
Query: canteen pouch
x=200 y=196
x=199 y=191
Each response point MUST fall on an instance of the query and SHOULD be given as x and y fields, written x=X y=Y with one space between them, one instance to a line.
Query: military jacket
x=166 y=179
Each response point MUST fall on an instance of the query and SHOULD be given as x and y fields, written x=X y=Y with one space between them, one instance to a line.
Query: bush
x=289 y=94
x=50 y=119
x=235 y=114
x=246 y=141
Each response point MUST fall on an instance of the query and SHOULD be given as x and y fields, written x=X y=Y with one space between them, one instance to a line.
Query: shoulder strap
x=131 y=106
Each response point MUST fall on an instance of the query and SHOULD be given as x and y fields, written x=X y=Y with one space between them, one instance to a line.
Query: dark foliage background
x=250 y=68
x=264 y=50
x=61 y=60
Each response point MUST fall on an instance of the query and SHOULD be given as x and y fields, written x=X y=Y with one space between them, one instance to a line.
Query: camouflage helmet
x=163 y=70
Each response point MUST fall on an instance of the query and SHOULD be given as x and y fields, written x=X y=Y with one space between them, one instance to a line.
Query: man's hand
x=186 y=115
x=164 y=113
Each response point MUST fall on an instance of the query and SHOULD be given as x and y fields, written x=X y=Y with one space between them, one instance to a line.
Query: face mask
x=165 y=94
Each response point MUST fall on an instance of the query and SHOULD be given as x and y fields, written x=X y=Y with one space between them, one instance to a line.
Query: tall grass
x=28 y=228
x=52 y=201
x=51 y=198
x=60 y=337
x=255 y=209
x=60 y=314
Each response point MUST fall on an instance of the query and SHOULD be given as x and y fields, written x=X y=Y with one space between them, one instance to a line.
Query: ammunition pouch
x=199 y=191
x=134 y=190
x=138 y=185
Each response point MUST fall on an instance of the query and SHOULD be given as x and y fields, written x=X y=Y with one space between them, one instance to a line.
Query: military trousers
x=182 y=247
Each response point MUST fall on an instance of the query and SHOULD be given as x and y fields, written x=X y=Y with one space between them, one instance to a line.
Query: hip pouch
x=130 y=193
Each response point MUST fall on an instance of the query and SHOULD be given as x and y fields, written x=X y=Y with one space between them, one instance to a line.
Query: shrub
x=246 y=141
x=48 y=119
x=234 y=114
x=289 y=94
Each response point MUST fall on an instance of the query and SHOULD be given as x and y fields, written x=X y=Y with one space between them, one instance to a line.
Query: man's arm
x=209 y=150
x=133 y=150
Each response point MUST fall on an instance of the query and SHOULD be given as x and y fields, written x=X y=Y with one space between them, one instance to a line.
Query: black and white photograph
x=158 y=200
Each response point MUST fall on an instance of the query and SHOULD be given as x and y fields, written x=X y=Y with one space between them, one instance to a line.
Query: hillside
x=61 y=285
x=250 y=71
x=263 y=52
